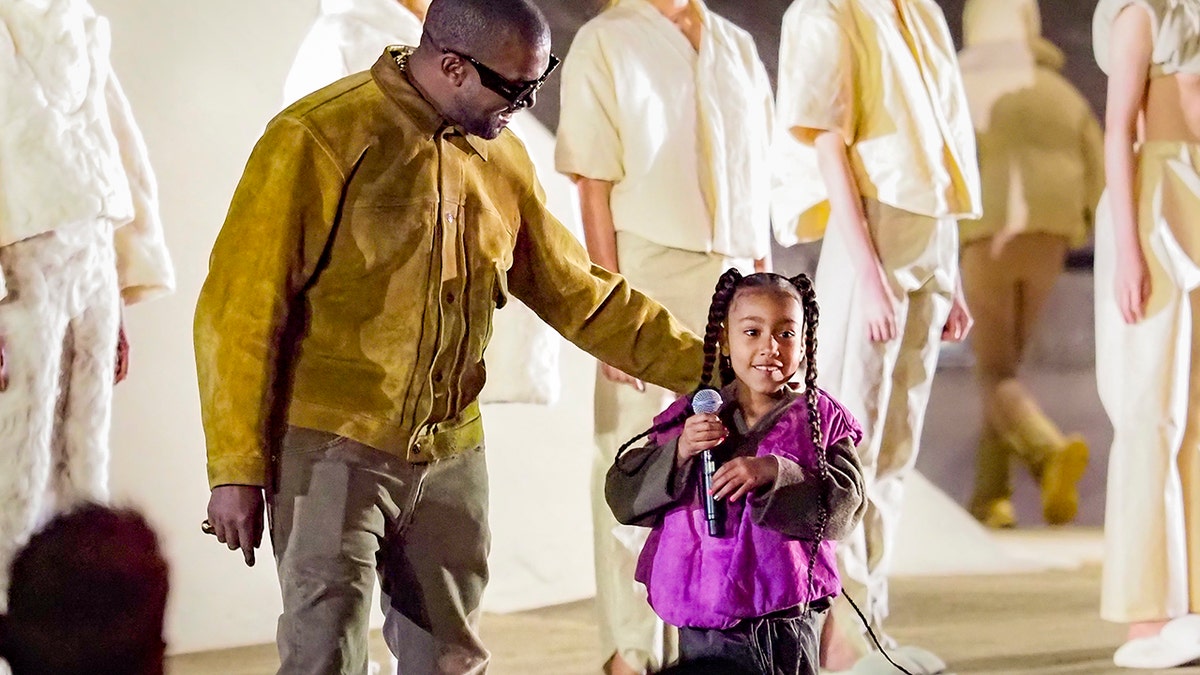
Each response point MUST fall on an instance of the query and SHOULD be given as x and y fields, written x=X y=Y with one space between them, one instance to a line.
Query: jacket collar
x=395 y=84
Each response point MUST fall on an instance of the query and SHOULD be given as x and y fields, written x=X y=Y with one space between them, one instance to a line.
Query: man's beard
x=488 y=127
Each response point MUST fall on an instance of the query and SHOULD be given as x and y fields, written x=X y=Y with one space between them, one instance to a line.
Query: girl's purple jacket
x=761 y=564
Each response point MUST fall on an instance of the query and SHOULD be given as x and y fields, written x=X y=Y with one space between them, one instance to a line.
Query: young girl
x=789 y=481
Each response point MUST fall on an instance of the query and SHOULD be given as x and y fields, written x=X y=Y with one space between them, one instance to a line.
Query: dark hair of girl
x=728 y=286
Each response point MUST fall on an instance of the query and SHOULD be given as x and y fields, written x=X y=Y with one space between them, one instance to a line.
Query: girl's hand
x=738 y=477
x=1132 y=286
x=700 y=432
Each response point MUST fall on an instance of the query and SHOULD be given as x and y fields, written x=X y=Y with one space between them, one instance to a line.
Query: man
x=666 y=130
x=378 y=224
x=875 y=139
x=523 y=354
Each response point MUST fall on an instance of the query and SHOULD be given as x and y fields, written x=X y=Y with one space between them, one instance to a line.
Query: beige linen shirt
x=884 y=74
x=684 y=135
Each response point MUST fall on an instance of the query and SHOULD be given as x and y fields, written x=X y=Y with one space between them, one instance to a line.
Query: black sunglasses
x=518 y=94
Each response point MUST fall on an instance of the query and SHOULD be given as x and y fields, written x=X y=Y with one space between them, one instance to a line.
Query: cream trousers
x=885 y=385
x=1149 y=384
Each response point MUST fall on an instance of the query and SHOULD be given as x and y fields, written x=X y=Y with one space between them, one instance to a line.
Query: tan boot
x=998 y=514
x=1057 y=461
x=1061 y=473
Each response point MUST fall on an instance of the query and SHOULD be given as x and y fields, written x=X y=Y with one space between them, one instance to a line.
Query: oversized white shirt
x=884 y=74
x=684 y=135
x=348 y=37
x=70 y=151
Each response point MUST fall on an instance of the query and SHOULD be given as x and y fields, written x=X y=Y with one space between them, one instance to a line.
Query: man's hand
x=701 y=432
x=959 y=321
x=621 y=377
x=122 y=370
x=236 y=515
x=738 y=477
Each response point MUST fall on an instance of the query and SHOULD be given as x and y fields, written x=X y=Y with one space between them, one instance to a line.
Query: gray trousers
x=783 y=643
x=342 y=513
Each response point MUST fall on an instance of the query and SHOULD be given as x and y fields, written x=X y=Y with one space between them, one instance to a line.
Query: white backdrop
x=203 y=79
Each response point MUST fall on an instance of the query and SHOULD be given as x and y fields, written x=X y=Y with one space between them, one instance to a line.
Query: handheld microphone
x=709 y=401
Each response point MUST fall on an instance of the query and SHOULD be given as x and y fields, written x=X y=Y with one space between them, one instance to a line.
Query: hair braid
x=717 y=313
x=808 y=298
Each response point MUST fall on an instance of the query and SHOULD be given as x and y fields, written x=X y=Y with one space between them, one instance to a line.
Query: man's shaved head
x=479 y=27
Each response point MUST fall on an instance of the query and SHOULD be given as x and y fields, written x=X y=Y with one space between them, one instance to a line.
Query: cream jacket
x=685 y=136
x=70 y=151
x=888 y=80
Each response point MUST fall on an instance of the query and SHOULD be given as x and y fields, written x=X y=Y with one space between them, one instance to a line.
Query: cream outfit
x=1147 y=374
x=347 y=37
x=79 y=231
x=1042 y=166
x=884 y=75
x=684 y=135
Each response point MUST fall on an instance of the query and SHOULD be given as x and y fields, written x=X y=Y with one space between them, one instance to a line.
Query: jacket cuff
x=239 y=470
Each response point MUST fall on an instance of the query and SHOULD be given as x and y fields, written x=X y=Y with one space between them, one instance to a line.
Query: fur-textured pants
x=59 y=323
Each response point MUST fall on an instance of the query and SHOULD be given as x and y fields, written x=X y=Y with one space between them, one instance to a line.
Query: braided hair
x=728 y=286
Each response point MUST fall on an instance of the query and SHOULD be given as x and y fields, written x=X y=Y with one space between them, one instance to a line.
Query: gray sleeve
x=644 y=483
x=791 y=505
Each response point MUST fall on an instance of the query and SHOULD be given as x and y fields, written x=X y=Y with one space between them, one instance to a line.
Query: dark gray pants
x=783 y=643
x=343 y=512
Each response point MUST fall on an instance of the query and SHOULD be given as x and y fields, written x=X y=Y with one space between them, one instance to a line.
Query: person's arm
x=645 y=482
x=144 y=269
x=846 y=212
x=596 y=309
x=789 y=504
x=600 y=236
x=589 y=151
x=1131 y=46
x=275 y=232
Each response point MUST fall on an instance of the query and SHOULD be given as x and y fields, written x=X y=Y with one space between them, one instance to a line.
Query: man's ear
x=454 y=68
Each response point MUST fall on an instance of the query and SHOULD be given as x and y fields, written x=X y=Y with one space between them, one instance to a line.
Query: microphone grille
x=706 y=401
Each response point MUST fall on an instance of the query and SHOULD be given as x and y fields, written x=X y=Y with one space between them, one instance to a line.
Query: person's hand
x=879 y=308
x=959 y=321
x=738 y=477
x=621 y=377
x=1132 y=286
x=3 y=364
x=235 y=513
x=122 y=370
x=701 y=432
